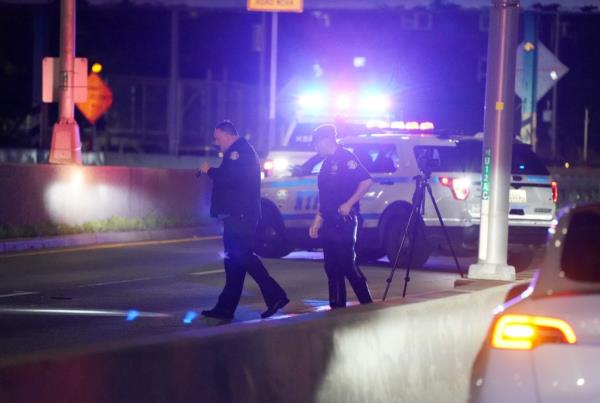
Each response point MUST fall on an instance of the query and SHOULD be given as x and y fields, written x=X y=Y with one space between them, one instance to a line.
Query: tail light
x=554 y=186
x=460 y=187
x=525 y=332
x=268 y=168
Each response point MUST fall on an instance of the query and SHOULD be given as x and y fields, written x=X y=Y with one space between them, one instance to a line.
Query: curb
x=65 y=241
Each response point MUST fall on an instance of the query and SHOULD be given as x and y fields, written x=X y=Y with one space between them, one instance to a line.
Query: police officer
x=342 y=181
x=236 y=200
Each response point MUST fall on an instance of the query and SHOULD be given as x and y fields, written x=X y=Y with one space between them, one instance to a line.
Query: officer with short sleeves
x=236 y=201
x=342 y=182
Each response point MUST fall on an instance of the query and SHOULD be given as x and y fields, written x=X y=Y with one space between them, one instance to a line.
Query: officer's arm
x=231 y=172
x=361 y=189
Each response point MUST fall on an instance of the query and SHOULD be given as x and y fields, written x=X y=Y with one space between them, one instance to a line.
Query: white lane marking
x=18 y=294
x=133 y=280
x=82 y=312
x=202 y=273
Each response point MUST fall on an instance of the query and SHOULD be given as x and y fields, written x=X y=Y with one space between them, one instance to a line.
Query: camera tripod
x=418 y=208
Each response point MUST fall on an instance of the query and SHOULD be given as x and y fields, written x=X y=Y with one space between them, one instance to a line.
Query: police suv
x=392 y=156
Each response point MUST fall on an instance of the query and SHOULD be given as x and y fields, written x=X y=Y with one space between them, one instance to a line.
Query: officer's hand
x=344 y=209
x=313 y=231
x=204 y=167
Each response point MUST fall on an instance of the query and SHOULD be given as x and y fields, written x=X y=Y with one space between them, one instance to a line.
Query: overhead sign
x=549 y=71
x=99 y=99
x=290 y=6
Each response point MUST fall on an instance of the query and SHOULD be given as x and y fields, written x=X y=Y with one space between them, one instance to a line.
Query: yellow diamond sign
x=292 y=6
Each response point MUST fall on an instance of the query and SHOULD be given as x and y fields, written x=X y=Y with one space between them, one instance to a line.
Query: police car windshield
x=466 y=156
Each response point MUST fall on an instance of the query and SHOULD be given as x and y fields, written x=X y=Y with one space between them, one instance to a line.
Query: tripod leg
x=437 y=211
x=413 y=213
x=410 y=256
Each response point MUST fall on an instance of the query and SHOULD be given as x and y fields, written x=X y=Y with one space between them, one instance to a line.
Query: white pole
x=66 y=143
x=497 y=143
x=273 y=81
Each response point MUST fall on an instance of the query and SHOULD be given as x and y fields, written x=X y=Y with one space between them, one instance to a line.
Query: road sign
x=549 y=71
x=52 y=82
x=99 y=99
x=293 y=6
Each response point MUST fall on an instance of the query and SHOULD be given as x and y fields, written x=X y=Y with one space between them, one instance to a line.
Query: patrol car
x=391 y=155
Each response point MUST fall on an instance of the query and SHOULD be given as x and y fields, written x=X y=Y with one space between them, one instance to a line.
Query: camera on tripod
x=428 y=160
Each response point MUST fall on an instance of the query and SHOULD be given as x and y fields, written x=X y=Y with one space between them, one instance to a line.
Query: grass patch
x=112 y=224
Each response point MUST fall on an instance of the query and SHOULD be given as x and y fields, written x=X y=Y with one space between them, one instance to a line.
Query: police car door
x=296 y=196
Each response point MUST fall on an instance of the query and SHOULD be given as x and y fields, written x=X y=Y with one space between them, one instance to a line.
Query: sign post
x=66 y=143
x=497 y=143
x=274 y=6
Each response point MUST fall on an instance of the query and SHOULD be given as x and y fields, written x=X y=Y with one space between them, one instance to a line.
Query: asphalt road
x=71 y=298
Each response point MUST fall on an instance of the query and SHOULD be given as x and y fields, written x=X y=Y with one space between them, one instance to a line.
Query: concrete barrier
x=410 y=352
x=36 y=195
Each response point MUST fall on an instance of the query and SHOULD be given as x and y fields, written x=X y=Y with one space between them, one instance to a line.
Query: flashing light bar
x=400 y=125
x=317 y=101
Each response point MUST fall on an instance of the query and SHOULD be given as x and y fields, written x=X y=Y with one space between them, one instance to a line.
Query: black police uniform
x=236 y=200
x=338 y=180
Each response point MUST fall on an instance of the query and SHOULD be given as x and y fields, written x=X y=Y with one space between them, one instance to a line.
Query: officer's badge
x=234 y=155
x=334 y=168
x=352 y=164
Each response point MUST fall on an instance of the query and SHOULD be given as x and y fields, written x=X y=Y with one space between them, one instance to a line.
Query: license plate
x=517 y=196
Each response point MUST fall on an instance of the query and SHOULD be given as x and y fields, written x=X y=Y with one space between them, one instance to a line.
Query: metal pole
x=67 y=59
x=262 y=67
x=273 y=82
x=497 y=144
x=554 y=130
x=173 y=78
x=66 y=143
x=586 y=123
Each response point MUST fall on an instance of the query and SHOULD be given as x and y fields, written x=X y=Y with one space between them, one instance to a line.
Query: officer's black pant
x=339 y=239
x=238 y=237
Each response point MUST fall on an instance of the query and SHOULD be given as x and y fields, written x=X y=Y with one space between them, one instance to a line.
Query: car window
x=376 y=158
x=580 y=260
x=466 y=156
x=312 y=166
x=316 y=168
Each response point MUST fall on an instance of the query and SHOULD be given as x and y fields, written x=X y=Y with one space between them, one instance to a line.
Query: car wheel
x=364 y=255
x=394 y=230
x=270 y=236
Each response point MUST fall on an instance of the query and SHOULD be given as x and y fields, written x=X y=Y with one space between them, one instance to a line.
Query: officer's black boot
x=337 y=293
x=359 y=284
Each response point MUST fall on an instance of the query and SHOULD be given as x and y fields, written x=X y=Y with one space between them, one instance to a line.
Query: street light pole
x=497 y=143
x=273 y=82
x=66 y=143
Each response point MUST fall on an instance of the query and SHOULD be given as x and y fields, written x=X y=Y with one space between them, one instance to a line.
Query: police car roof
x=428 y=137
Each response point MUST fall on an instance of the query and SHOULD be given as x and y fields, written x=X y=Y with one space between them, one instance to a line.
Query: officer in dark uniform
x=343 y=180
x=236 y=200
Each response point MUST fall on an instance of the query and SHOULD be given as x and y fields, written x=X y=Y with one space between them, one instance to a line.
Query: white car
x=391 y=156
x=544 y=344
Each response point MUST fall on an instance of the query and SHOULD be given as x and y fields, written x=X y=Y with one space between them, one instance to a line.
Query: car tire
x=364 y=255
x=270 y=241
x=394 y=230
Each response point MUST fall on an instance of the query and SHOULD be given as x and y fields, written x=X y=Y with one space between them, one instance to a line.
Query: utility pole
x=497 y=143
x=173 y=104
x=66 y=143
x=273 y=81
